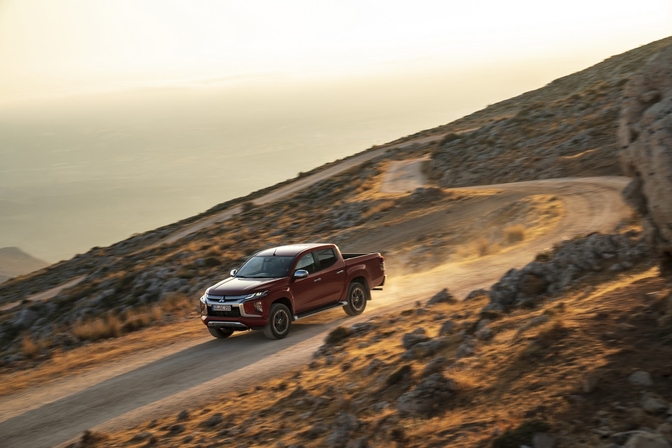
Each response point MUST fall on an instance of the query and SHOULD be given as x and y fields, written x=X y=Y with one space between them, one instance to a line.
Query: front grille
x=235 y=312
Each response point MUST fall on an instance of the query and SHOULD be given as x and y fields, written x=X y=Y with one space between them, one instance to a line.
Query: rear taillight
x=382 y=264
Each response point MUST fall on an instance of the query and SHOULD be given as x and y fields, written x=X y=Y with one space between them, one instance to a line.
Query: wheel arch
x=288 y=303
x=362 y=280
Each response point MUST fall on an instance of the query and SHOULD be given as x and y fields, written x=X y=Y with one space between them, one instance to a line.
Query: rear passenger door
x=331 y=272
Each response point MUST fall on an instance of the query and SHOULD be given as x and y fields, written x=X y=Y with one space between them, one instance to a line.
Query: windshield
x=266 y=267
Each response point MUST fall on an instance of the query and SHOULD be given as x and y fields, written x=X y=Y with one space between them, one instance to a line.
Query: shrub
x=175 y=301
x=247 y=206
x=482 y=246
x=96 y=329
x=449 y=138
x=337 y=335
x=514 y=234
x=29 y=348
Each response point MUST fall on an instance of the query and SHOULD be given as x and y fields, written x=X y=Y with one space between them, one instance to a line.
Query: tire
x=279 y=322
x=220 y=333
x=357 y=297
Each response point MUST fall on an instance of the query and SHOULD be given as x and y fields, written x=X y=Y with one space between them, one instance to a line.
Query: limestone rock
x=640 y=378
x=428 y=398
x=443 y=296
x=643 y=439
x=645 y=136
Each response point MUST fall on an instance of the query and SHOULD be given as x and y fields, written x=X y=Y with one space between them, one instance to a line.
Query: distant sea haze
x=78 y=174
x=90 y=171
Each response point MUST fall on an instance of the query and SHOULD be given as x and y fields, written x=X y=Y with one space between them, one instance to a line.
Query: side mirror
x=300 y=273
x=233 y=272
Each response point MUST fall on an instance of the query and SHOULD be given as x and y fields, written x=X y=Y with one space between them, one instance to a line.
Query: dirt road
x=167 y=380
x=294 y=187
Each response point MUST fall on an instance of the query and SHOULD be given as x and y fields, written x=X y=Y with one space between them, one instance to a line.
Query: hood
x=235 y=286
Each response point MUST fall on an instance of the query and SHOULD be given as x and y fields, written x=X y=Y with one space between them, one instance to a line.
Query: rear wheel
x=220 y=333
x=279 y=322
x=357 y=297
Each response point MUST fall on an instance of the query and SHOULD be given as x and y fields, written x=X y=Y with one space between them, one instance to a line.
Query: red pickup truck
x=280 y=285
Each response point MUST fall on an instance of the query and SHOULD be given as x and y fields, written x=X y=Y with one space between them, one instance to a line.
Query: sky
x=52 y=48
x=121 y=116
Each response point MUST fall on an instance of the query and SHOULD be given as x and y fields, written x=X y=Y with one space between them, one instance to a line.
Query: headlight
x=256 y=295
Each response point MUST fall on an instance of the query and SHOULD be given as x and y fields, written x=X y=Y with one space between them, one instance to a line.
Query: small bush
x=92 y=439
x=337 y=335
x=543 y=256
x=135 y=320
x=29 y=348
x=247 y=206
x=449 y=138
x=96 y=329
x=378 y=208
x=176 y=301
x=514 y=234
x=482 y=246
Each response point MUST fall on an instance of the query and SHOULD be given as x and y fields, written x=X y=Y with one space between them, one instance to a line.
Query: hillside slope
x=130 y=277
x=568 y=350
x=568 y=128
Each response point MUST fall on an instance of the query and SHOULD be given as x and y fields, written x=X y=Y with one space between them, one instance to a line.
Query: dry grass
x=29 y=347
x=377 y=208
x=140 y=343
x=98 y=328
x=514 y=234
x=483 y=246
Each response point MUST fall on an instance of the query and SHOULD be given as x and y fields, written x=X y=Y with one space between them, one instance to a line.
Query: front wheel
x=220 y=333
x=279 y=322
x=357 y=297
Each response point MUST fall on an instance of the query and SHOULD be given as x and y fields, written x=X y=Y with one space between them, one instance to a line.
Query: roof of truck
x=290 y=250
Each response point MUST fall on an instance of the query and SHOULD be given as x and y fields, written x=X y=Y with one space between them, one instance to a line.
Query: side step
x=319 y=310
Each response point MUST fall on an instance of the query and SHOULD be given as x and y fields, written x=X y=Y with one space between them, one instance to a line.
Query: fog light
x=259 y=307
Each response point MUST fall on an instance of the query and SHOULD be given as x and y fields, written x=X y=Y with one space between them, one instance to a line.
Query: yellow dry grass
x=85 y=358
x=98 y=328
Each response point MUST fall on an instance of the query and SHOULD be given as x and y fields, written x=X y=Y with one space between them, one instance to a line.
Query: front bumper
x=237 y=318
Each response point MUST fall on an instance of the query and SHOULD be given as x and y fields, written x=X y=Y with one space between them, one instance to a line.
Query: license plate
x=221 y=307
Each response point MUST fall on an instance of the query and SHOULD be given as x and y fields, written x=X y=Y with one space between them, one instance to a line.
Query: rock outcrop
x=555 y=272
x=645 y=135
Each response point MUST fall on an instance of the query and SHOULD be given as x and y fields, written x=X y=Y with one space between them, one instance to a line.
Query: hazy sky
x=120 y=116
x=56 y=47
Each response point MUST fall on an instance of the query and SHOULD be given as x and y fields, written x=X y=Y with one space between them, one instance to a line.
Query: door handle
x=340 y=272
x=317 y=280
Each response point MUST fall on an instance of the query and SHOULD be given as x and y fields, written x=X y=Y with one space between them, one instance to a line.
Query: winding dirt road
x=169 y=379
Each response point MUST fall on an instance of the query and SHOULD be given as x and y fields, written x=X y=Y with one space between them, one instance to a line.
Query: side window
x=326 y=257
x=306 y=262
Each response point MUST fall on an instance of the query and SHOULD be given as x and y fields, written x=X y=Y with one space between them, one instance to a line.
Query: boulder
x=428 y=398
x=645 y=136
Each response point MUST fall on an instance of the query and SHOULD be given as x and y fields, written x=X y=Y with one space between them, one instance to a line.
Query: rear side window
x=326 y=257
x=306 y=262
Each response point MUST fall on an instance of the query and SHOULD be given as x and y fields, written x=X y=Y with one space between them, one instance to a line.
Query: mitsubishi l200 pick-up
x=280 y=285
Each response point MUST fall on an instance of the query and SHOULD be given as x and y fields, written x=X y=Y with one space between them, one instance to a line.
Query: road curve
x=167 y=380
x=293 y=187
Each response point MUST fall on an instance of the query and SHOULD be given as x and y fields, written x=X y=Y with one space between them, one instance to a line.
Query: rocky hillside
x=569 y=369
x=568 y=128
x=15 y=262
x=572 y=350
x=645 y=134
x=118 y=287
